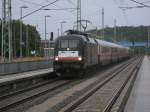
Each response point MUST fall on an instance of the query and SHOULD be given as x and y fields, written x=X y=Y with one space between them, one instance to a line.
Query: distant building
x=47 y=44
x=47 y=48
x=131 y=44
x=139 y=47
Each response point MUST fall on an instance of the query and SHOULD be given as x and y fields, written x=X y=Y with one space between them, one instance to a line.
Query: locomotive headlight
x=80 y=58
x=56 y=58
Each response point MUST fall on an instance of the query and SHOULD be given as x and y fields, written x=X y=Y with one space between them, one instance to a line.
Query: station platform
x=139 y=100
x=13 y=77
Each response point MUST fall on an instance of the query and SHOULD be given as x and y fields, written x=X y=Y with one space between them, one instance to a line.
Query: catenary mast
x=79 y=15
x=6 y=48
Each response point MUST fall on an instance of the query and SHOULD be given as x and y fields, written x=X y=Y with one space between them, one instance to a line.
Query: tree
x=131 y=33
x=34 y=38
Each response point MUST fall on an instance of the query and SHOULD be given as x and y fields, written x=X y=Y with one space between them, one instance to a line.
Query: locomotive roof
x=94 y=41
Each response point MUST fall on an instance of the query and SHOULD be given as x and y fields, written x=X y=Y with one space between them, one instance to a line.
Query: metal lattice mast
x=6 y=49
x=103 y=30
x=79 y=15
x=115 y=30
x=148 y=39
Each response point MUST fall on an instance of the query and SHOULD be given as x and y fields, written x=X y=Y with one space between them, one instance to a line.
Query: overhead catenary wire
x=146 y=1
x=58 y=6
x=123 y=12
x=29 y=2
x=141 y=3
x=62 y=9
x=51 y=3
x=71 y=2
x=33 y=3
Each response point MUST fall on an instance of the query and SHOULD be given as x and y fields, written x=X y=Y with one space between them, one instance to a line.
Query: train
x=77 y=52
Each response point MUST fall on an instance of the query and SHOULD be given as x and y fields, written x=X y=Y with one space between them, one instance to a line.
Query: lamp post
x=58 y=32
x=61 y=23
x=46 y=27
x=27 y=41
x=21 y=43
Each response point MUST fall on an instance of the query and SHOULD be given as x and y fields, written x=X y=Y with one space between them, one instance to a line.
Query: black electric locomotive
x=76 y=51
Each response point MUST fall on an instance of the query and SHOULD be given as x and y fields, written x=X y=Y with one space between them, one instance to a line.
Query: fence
x=18 y=67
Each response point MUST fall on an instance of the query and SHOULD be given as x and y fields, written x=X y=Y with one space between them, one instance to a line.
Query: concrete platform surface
x=139 y=100
x=13 y=77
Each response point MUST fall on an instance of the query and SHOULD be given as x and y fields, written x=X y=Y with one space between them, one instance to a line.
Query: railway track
x=82 y=103
x=113 y=100
x=16 y=92
x=13 y=99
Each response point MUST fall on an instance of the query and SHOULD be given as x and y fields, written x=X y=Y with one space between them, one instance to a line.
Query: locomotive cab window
x=63 y=43
x=68 y=43
x=73 y=43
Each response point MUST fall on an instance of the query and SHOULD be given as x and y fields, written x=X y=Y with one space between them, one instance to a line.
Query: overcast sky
x=91 y=10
